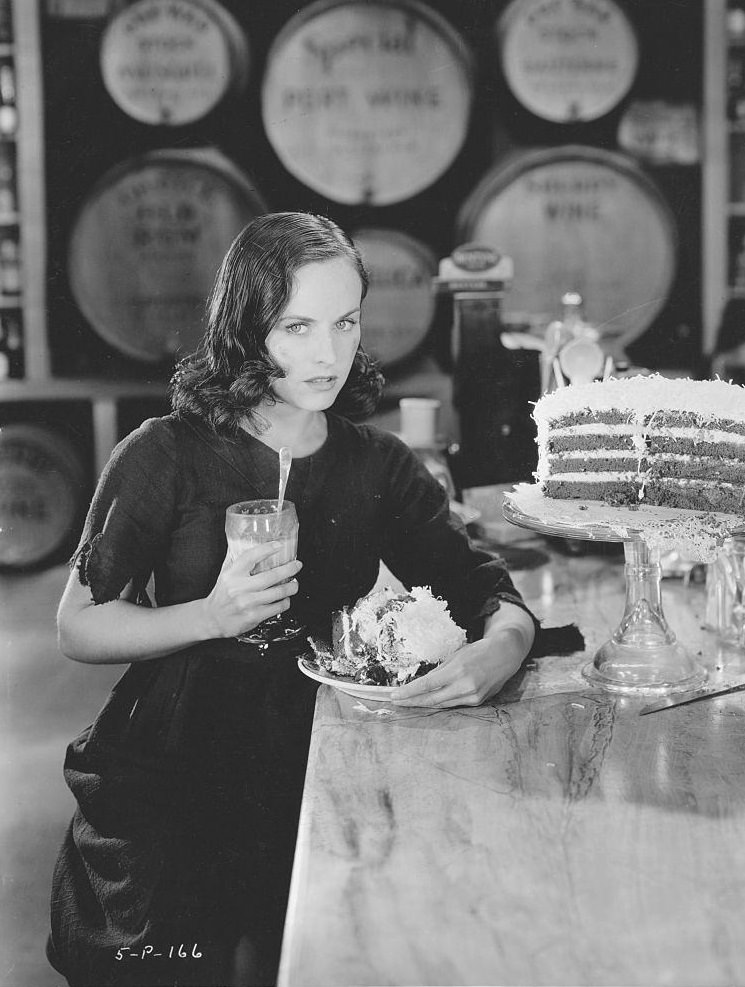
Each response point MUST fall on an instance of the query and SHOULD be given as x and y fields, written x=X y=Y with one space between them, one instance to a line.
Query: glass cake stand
x=643 y=656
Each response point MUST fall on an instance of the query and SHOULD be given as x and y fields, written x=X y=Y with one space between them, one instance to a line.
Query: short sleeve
x=132 y=512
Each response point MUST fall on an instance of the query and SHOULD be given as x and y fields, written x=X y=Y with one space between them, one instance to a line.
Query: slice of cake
x=390 y=637
x=653 y=440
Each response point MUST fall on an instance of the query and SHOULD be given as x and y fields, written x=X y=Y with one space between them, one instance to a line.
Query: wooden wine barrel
x=399 y=306
x=367 y=102
x=42 y=489
x=580 y=219
x=147 y=243
x=170 y=62
x=567 y=60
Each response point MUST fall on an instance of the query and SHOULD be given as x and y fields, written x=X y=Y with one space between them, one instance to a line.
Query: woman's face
x=316 y=337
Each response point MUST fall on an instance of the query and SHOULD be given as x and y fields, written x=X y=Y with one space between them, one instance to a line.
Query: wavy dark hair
x=231 y=372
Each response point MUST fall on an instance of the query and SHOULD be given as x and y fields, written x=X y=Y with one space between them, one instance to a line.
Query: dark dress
x=189 y=782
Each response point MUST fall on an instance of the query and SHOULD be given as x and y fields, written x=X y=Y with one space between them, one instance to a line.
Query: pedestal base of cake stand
x=643 y=656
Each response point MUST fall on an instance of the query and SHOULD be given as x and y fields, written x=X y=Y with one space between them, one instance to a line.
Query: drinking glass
x=725 y=587
x=256 y=522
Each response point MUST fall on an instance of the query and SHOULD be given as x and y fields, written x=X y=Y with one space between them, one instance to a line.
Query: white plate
x=377 y=693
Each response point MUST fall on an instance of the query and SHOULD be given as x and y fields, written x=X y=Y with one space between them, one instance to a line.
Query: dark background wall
x=86 y=134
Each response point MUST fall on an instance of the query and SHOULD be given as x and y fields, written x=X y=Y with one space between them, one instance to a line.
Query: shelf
x=103 y=396
x=79 y=389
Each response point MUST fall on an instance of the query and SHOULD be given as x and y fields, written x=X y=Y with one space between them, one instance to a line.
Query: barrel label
x=146 y=247
x=165 y=61
x=568 y=60
x=661 y=132
x=367 y=102
x=40 y=487
x=585 y=220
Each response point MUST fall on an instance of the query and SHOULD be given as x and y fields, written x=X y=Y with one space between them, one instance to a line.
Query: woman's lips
x=322 y=383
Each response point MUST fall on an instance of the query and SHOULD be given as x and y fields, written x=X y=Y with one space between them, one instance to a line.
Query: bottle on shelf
x=570 y=348
x=736 y=245
x=558 y=333
x=6 y=22
x=11 y=342
x=419 y=430
x=8 y=196
x=8 y=108
x=735 y=24
x=5 y=360
x=736 y=84
x=10 y=263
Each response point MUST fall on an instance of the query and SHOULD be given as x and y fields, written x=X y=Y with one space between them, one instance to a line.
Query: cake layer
x=602 y=463
x=660 y=421
x=707 y=441
x=667 y=444
x=696 y=468
x=693 y=495
x=590 y=440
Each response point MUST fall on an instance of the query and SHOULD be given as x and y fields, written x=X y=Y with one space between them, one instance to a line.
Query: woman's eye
x=346 y=324
x=297 y=328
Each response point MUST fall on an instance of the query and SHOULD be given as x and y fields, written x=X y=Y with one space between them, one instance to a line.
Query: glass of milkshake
x=255 y=522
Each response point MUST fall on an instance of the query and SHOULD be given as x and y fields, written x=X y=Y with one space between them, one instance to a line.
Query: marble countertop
x=552 y=836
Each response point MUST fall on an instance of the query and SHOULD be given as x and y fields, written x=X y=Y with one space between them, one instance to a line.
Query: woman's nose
x=325 y=349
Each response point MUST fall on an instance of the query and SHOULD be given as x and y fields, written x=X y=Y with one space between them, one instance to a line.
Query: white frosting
x=419 y=629
x=645 y=395
x=632 y=477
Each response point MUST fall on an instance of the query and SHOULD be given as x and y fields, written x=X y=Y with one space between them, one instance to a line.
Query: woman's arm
x=426 y=545
x=127 y=532
x=121 y=631
x=476 y=671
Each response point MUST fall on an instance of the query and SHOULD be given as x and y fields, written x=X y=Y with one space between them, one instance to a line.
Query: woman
x=189 y=782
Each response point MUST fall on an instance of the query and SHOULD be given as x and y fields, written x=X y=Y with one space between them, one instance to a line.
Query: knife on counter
x=689 y=697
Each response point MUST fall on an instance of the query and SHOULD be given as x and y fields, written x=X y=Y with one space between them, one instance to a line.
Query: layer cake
x=651 y=439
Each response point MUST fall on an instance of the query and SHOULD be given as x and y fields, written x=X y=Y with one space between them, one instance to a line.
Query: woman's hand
x=241 y=598
x=476 y=671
